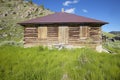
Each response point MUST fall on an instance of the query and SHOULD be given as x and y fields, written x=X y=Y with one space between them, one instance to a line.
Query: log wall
x=95 y=35
x=52 y=35
x=69 y=35
x=30 y=34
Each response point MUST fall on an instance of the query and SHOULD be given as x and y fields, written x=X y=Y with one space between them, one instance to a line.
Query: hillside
x=109 y=35
x=115 y=33
x=12 y=12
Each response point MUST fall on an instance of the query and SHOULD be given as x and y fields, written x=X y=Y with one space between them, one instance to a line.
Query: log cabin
x=63 y=28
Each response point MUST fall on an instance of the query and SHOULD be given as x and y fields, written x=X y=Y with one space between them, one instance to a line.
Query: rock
x=1 y=37
x=36 y=9
x=2 y=21
x=4 y=35
x=13 y=12
x=1 y=28
x=99 y=48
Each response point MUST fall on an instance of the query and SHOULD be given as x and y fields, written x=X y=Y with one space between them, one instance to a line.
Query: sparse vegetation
x=42 y=7
x=109 y=35
x=112 y=46
x=40 y=63
x=30 y=1
x=13 y=12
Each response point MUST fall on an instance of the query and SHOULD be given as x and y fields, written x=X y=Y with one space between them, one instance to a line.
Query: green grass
x=38 y=63
x=114 y=47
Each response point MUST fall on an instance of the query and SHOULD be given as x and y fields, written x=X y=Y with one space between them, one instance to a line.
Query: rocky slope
x=12 y=12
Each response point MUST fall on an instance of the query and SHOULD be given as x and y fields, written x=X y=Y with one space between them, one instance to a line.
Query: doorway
x=63 y=34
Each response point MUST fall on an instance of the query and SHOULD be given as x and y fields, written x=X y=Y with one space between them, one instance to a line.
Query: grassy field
x=38 y=63
x=114 y=47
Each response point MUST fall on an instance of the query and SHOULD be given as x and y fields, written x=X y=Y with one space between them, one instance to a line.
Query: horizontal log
x=77 y=43
x=52 y=35
x=30 y=27
x=95 y=28
x=52 y=39
x=73 y=30
x=73 y=34
x=94 y=33
x=31 y=31
x=52 y=31
x=30 y=35
x=74 y=37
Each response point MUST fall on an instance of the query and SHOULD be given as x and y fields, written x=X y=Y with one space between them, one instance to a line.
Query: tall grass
x=39 y=63
x=114 y=47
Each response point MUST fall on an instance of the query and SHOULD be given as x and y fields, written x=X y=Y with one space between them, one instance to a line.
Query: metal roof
x=62 y=17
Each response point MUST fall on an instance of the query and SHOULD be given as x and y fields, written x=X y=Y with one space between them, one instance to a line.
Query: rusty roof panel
x=62 y=17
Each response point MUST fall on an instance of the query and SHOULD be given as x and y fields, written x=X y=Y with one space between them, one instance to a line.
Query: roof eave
x=103 y=23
